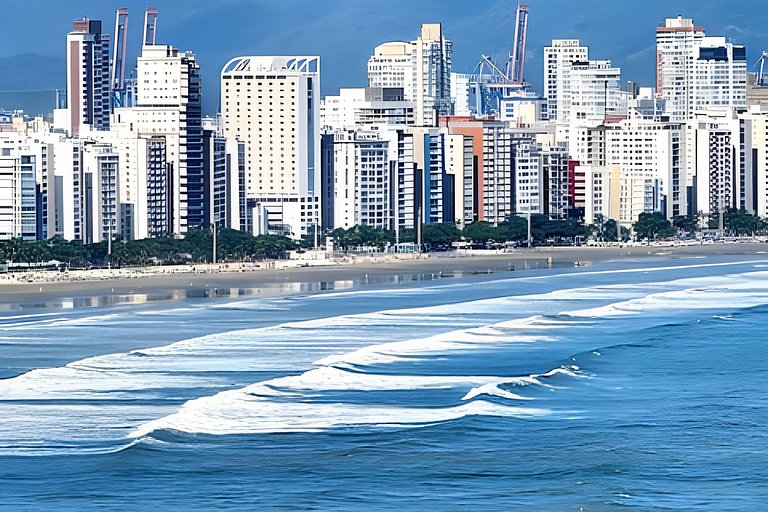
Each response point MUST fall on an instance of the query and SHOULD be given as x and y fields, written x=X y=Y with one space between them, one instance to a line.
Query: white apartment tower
x=18 y=204
x=720 y=80
x=361 y=182
x=595 y=93
x=558 y=59
x=696 y=73
x=421 y=67
x=272 y=105
x=88 y=86
x=676 y=44
x=168 y=106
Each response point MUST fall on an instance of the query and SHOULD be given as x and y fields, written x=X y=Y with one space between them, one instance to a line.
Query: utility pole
x=109 y=246
x=722 y=222
x=418 y=227
x=529 y=227
x=214 y=242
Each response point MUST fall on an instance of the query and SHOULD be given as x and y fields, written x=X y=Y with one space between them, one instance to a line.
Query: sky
x=345 y=32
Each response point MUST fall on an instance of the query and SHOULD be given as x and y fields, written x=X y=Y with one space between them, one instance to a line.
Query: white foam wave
x=202 y=363
x=237 y=413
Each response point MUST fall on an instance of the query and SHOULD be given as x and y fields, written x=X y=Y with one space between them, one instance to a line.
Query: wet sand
x=293 y=280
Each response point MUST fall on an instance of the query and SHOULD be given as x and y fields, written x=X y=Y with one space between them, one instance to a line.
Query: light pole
x=214 y=242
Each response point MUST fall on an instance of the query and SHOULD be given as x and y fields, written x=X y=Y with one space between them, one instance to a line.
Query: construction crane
x=516 y=64
x=488 y=71
x=150 y=26
x=762 y=79
x=118 y=58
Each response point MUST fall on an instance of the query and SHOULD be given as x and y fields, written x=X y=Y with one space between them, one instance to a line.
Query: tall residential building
x=225 y=181
x=272 y=105
x=558 y=59
x=18 y=191
x=716 y=150
x=362 y=192
x=694 y=72
x=421 y=67
x=720 y=79
x=101 y=203
x=88 y=77
x=361 y=107
x=168 y=105
x=758 y=145
x=541 y=180
x=594 y=93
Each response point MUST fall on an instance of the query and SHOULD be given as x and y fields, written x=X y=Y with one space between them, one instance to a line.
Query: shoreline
x=266 y=282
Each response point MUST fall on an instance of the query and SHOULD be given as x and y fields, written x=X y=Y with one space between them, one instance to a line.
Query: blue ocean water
x=627 y=385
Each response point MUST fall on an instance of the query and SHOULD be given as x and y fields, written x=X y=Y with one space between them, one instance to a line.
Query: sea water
x=631 y=385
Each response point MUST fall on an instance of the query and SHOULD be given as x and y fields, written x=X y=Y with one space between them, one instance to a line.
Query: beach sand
x=292 y=280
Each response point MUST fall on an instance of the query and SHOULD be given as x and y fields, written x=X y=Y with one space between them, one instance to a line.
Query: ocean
x=637 y=385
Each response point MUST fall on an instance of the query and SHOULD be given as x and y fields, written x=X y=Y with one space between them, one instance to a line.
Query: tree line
x=233 y=245
x=195 y=247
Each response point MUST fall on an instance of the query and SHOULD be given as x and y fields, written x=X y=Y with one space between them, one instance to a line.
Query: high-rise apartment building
x=695 y=72
x=421 y=67
x=595 y=94
x=361 y=182
x=558 y=59
x=361 y=107
x=101 y=199
x=88 y=77
x=720 y=79
x=168 y=104
x=272 y=105
x=18 y=191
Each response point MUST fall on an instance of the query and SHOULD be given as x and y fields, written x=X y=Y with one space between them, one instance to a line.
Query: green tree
x=742 y=223
x=440 y=234
x=480 y=231
x=652 y=226
x=686 y=223
x=610 y=231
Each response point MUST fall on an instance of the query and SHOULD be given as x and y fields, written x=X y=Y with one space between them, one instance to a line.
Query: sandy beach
x=269 y=282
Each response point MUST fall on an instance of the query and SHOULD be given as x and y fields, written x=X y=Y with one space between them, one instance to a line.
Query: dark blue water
x=622 y=386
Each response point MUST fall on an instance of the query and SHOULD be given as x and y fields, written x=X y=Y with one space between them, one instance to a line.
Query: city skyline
x=344 y=41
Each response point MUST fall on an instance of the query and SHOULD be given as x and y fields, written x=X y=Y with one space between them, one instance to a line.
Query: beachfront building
x=224 y=181
x=168 y=106
x=18 y=190
x=755 y=132
x=362 y=192
x=145 y=177
x=100 y=196
x=716 y=152
x=271 y=104
x=422 y=68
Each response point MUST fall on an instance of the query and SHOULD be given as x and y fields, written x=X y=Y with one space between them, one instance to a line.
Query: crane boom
x=150 y=27
x=516 y=65
x=118 y=57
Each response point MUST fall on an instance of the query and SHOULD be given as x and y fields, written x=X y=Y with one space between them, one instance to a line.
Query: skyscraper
x=696 y=73
x=88 y=77
x=421 y=67
x=272 y=105
x=168 y=105
x=558 y=60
